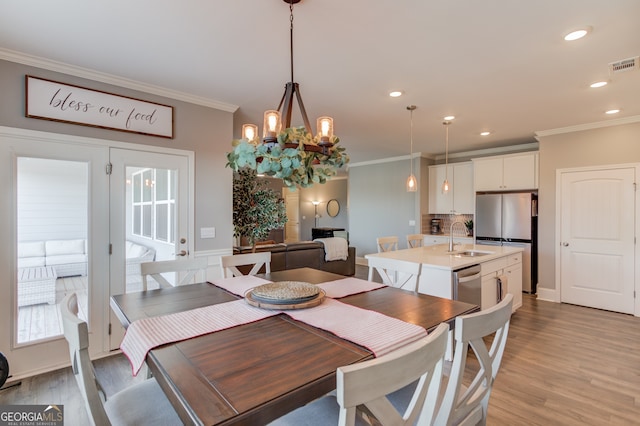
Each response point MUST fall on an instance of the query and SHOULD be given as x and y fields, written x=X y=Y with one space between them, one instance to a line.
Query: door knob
x=182 y=253
x=565 y=244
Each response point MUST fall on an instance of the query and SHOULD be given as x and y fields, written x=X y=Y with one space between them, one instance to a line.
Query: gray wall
x=333 y=189
x=379 y=204
x=205 y=131
x=608 y=145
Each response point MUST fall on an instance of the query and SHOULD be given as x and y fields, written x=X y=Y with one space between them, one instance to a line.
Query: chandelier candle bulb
x=271 y=125
x=325 y=129
x=250 y=133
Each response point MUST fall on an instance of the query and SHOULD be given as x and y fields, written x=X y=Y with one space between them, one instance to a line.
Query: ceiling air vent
x=625 y=65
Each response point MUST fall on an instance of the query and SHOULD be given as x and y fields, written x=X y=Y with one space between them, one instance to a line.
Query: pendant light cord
x=411 y=132
x=446 y=151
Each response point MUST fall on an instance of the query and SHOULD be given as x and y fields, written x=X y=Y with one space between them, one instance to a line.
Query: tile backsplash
x=447 y=220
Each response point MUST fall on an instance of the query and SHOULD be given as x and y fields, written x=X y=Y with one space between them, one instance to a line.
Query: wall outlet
x=208 y=232
x=412 y=223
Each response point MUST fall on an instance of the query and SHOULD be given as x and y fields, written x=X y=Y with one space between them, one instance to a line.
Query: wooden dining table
x=257 y=372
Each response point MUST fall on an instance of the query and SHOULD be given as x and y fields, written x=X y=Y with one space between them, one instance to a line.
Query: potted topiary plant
x=256 y=208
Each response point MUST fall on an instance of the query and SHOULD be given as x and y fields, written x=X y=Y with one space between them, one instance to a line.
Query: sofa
x=69 y=257
x=136 y=254
x=303 y=254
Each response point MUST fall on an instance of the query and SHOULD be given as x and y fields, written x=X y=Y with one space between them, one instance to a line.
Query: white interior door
x=150 y=213
x=54 y=221
x=292 y=205
x=597 y=250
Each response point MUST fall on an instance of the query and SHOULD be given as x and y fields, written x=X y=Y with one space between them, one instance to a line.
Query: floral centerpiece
x=298 y=158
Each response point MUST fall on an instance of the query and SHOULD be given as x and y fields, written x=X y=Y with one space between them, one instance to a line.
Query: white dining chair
x=257 y=260
x=186 y=271
x=415 y=240
x=395 y=273
x=362 y=388
x=462 y=405
x=387 y=244
x=141 y=404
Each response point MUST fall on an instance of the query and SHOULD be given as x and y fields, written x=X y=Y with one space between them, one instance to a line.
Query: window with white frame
x=153 y=202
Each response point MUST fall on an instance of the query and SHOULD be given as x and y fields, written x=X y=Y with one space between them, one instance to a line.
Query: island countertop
x=437 y=256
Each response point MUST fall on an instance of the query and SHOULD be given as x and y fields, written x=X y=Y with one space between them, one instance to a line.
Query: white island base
x=438 y=265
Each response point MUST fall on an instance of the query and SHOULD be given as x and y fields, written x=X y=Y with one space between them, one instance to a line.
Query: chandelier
x=293 y=154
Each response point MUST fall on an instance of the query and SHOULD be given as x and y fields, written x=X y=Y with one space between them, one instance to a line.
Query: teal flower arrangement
x=297 y=157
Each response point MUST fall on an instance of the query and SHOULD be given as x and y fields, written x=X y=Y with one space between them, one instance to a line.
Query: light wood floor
x=563 y=365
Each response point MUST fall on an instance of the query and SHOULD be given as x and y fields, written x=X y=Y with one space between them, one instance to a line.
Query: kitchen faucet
x=451 y=233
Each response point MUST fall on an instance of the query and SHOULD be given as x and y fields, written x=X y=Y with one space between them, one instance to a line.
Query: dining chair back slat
x=141 y=403
x=363 y=388
x=396 y=273
x=462 y=405
x=194 y=270
x=258 y=260
x=387 y=244
x=415 y=240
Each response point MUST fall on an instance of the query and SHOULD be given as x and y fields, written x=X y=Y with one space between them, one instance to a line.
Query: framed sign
x=50 y=100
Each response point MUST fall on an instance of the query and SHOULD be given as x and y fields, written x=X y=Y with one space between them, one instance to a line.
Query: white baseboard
x=548 y=294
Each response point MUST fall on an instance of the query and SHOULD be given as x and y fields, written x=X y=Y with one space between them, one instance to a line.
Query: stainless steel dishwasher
x=467 y=285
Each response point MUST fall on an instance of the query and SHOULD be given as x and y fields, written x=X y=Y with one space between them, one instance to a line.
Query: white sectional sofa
x=69 y=257
x=136 y=254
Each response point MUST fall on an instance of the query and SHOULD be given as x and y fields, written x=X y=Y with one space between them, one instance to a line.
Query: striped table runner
x=148 y=333
x=348 y=286
x=377 y=332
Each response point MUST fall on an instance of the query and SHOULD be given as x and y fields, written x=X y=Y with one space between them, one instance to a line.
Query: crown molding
x=588 y=126
x=389 y=160
x=533 y=146
x=51 y=65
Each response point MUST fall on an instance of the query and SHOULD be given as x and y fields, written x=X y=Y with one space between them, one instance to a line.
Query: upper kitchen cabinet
x=459 y=200
x=506 y=172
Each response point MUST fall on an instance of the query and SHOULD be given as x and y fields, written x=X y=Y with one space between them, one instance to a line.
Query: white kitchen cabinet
x=506 y=172
x=459 y=200
x=432 y=240
x=513 y=271
x=509 y=266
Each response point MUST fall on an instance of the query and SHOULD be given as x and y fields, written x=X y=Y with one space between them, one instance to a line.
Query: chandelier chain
x=291 y=36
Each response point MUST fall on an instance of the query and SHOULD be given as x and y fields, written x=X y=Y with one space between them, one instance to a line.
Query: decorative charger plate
x=285 y=295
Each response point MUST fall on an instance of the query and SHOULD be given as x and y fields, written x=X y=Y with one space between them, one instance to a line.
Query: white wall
x=619 y=144
x=52 y=199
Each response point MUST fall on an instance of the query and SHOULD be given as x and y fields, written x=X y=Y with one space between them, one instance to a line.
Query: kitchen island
x=438 y=267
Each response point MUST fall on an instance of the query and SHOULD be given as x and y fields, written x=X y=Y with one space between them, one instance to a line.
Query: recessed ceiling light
x=449 y=117
x=612 y=111
x=598 y=84
x=485 y=133
x=395 y=93
x=577 y=34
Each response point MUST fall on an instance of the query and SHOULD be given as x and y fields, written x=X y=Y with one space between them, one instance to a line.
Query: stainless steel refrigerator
x=510 y=219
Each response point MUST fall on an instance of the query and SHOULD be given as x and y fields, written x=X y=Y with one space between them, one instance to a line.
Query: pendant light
x=445 y=184
x=412 y=183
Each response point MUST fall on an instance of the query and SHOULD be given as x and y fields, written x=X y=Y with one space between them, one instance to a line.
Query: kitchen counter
x=502 y=263
x=438 y=257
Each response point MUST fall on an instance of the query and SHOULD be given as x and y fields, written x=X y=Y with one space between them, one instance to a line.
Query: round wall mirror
x=333 y=208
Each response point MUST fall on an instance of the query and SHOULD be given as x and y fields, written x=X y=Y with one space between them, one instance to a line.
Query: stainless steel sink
x=472 y=253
